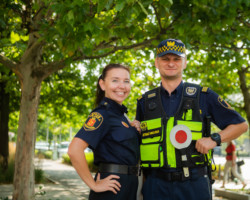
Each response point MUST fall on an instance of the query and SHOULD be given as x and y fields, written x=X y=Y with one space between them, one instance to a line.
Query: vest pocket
x=151 y=131
x=151 y=155
x=195 y=127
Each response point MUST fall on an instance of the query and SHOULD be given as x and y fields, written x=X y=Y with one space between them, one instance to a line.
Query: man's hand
x=203 y=145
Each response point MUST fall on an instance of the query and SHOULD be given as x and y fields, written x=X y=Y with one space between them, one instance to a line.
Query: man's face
x=170 y=66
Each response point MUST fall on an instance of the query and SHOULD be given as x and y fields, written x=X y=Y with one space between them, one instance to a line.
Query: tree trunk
x=245 y=92
x=24 y=159
x=4 y=128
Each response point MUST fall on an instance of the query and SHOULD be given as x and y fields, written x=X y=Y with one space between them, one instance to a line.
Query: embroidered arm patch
x=93 y=122
x=224 y=103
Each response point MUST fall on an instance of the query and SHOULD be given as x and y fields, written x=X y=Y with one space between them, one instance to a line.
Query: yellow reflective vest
x=156 y=149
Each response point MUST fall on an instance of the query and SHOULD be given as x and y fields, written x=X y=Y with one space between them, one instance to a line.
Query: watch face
x=215 y=136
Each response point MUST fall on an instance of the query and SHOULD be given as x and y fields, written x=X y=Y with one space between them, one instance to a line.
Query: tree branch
x=55 y=66
x=157 y=17
x=8 y=63
x=115 y=48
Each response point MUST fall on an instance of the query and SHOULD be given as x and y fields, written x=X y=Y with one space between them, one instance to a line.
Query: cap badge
x=171 y=44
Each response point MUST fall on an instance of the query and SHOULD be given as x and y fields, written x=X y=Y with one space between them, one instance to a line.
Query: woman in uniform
x=113 y=139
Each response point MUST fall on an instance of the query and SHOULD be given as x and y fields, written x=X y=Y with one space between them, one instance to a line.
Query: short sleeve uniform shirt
x=110 y=136
x=211 y=104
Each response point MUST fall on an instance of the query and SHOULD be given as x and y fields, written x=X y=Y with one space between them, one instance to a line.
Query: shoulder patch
x=204 y=89
x=93 y=122
x=224 y=103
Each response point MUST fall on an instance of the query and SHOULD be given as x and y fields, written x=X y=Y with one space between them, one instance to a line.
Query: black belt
x=179 y=175
x=120 y=169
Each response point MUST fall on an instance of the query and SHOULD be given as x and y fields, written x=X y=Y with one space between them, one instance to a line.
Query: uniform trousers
x=128 y=190
x=196 y=188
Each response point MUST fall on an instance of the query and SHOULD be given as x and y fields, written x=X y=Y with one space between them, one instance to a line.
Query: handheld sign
x=181 y=138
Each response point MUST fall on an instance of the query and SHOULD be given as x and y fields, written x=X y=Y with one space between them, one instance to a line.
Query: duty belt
x=120 y=169
x=179 y=175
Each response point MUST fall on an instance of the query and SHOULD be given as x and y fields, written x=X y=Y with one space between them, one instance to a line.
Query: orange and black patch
x=93 y=122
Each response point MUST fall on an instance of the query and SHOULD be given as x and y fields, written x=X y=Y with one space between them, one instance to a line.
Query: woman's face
x=116 y=84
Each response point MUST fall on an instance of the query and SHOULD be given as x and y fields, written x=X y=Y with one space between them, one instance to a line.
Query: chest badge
x=93 y=122
x=125 y=124
x=144 y=126
x=191 y=91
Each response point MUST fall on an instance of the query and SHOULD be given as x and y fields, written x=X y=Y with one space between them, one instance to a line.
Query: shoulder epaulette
x=204 y=89
x=139 y=98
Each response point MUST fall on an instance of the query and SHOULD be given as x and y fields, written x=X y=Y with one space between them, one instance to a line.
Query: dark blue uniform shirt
x=211 y=104
x=110 y=136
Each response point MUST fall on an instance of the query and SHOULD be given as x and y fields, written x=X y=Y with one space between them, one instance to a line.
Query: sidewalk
x=68 y=186
x=65 y=185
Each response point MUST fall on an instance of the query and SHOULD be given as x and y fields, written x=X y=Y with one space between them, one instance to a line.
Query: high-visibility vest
x=156 y=149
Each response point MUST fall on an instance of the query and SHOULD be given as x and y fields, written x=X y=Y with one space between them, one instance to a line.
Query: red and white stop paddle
x=180 y=136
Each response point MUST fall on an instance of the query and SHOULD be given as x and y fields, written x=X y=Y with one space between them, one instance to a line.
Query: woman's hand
x=137 y=125
x=107 y=184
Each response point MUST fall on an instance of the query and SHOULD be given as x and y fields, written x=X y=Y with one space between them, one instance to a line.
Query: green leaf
x=120 y=5
x=14 y=37
x=142 y=7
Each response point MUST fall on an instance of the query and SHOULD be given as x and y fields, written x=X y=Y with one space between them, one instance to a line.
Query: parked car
x=42 y=146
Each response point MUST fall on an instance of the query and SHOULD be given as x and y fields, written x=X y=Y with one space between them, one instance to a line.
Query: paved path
x=69 y=186
x=65 y=176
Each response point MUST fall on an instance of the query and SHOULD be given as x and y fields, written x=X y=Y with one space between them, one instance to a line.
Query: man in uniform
x=176 y=145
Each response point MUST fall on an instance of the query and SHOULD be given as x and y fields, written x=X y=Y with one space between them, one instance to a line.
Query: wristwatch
x=216 y=137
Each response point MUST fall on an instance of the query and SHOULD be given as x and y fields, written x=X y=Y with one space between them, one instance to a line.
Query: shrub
x=89 y=157
x=39 y=176
x=48 y=154
x=90 y=160
x=66 y=159
x=7 y=176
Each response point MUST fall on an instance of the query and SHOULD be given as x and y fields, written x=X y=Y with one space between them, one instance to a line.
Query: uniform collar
x=177 y=91
x=120 y=109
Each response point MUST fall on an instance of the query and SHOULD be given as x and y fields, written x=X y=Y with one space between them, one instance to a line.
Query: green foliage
x=66 y=159
x=90 y=160
x=48 y=154
x=39 y=176
x=7 y=176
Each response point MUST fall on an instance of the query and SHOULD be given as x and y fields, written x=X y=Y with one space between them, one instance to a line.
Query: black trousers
x=128 y=190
